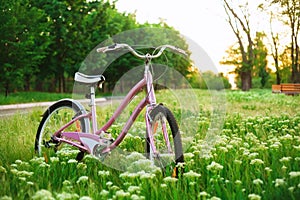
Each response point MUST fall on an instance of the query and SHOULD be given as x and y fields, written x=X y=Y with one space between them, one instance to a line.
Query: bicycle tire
x=53 y=113
x=160 y=112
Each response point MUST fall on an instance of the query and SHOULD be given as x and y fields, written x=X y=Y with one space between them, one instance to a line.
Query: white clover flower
x=297 y=147
x=85 y=198
x=279 y=182
x=294 y=174
x=121 y=193
x=215 y=198
x=66 y=183
x=37 y=160
x=170 y=179
x=30 y=183
x=297 y=158
x=268 y=169
x=223 y=149
x=14 y=171
x=286 y=137
x=82 y=179
x=14 y=165
x=114 y=187
x=22 y=178
x=103 y=173
x=81 y=166
x=276 y=145
x=136 y=197
x=180 y=165
x=44 y=165
x=66 y=195
x=256 y=161
x=254 y=197
x=246 y=152
x=109 y=183
x=134 y=156
x=203 y=194
x=72 y=161
x=253 y=155
x=43 y=195
x=163 y=185
x=285 y=159
x=257 y=181
x=188 y=155
x=2 y=170
x=291 y=189
x=25 y=173
x=238 y=182
x=54 y=159
x=192 y=183
x=238 y=161
x=145 y=175
x=229 y=146
x=143 y=165
x=104 y=192
x=133 y=189
x=129 y=175
x=18 y=162
x=214 y=166
x=192 y=174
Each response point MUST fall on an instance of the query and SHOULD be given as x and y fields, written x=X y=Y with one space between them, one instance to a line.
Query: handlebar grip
x=177 y=49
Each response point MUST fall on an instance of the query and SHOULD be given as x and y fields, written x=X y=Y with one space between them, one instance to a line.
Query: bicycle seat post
x=93 y=108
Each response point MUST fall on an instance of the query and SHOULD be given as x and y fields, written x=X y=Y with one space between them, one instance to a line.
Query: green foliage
x=209 y=80
x=45 y=42
x=22 y=37
x=260 y=61
x=255 y=156
x=31 y=97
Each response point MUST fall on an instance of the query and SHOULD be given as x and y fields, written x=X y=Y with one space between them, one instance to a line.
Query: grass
x=256 y=154
x=30 y=97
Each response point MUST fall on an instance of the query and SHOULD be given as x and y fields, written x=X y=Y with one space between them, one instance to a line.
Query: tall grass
x=31 y=97
x=256 y=155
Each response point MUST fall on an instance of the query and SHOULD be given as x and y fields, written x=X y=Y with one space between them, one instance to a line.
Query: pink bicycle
x=67 y=121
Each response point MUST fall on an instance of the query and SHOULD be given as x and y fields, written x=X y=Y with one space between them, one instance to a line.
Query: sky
x=202 y=21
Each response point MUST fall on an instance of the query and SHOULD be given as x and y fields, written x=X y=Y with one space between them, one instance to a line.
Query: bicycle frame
x=87 y=141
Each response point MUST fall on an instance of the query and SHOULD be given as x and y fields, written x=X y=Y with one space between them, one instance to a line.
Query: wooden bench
x=287 y=88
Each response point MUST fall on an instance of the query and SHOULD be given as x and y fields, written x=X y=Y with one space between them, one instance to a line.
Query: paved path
x=7 y=110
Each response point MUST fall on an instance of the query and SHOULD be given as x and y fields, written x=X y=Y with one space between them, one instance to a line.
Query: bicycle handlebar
x=117 y=46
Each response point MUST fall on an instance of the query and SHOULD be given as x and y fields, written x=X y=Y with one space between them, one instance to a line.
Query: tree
x=260 y=59
x=240 y=25
x=291 y=9
x=274 y=50
x=22 y=43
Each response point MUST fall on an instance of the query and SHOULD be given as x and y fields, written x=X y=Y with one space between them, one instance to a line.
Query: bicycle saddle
x=88 y=79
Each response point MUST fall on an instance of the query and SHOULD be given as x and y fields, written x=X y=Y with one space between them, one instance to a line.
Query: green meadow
x=255 y=154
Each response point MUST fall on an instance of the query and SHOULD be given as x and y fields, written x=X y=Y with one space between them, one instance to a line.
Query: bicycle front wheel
x=56 y=116
x=167 y=141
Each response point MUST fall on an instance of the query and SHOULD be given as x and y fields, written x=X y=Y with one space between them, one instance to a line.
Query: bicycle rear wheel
x=167 y=141
x=57 y=115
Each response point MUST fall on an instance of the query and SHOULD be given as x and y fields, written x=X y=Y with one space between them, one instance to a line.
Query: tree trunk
x=278 y=78
x=246 y=80
x=27 y=83
x=6 y=89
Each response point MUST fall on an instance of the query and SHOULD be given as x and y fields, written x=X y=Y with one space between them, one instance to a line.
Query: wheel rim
x=164 y=145
x=56 y=119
